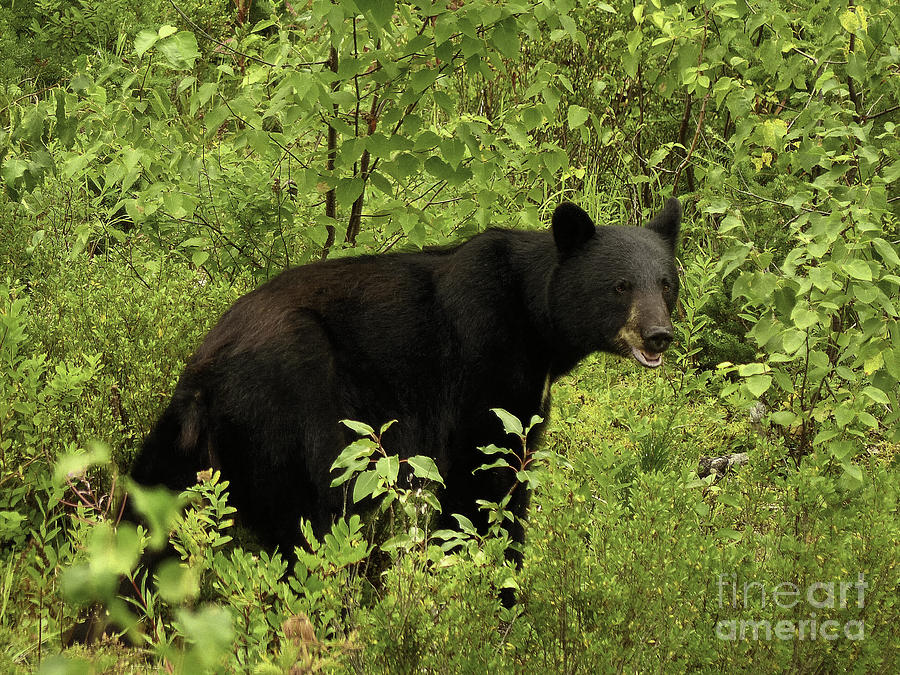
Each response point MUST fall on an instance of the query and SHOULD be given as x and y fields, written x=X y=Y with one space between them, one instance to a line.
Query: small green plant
x=524 y=461
x=377 y=475
x=202 y=530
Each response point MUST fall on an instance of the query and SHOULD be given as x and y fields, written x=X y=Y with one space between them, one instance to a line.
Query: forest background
x=159 y=159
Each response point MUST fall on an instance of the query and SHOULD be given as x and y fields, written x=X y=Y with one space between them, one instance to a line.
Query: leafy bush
x=41 y=40
x=343 y=109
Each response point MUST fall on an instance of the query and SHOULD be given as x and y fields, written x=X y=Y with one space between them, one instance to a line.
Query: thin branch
x=331 y=196
x=23 y=97
x=687 y=158
x=775 y=201
x=803 y=53
x=868 y=117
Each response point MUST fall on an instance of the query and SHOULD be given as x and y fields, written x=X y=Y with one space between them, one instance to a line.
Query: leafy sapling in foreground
x=523 y=461
x=378 y=474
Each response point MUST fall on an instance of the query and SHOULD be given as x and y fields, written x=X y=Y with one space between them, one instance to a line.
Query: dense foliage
x=158 y=160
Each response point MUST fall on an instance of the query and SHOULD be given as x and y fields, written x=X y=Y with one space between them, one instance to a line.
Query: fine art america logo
x=753 y=596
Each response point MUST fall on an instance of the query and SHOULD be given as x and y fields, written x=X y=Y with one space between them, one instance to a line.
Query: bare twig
x=693 y=147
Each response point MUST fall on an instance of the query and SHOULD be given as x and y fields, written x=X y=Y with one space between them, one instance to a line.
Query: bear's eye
x=622 y=287
x=666 y=286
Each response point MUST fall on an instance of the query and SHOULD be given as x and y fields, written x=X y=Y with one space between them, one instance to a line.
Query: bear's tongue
x=650 y=360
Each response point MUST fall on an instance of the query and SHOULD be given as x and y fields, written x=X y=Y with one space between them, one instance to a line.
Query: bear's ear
x=667 y=222
x=572 y=227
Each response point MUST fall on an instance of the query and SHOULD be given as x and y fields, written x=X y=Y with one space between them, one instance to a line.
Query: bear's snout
x=657 y=338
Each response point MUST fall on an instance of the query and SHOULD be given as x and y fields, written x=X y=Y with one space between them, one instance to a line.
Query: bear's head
x=615 y=287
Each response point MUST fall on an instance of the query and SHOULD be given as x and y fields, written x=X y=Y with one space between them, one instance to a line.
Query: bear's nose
x=657 y=338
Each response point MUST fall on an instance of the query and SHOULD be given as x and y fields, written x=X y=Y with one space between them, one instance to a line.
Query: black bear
x=433 y=339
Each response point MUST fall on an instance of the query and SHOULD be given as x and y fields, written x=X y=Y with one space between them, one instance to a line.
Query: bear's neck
x=534 y=260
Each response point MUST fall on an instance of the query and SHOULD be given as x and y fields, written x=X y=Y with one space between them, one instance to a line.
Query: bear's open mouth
x=651 y=359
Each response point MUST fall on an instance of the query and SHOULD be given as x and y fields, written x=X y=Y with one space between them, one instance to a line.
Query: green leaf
x=111 y=553
x=493 y=450
x=748 y=369
x=160 y=508
x=856 y=67
x=803 y=317
x=380 y=11
x=75 y=464
x=891 y=359
x=505 y=37
x=511 y=423
x=388 y=468
x=493 y=465
x=532 y=478
x=422 y=79
x=445 y=26
x=510 y=582
x=77 y=164
x=353 y=458
x=876 y=395
x=176 y=581
x=533 y=422
x=725 y=533
x=858 y=269
x=783 y=418
x=180 y=50
x=465 y=524
x=198 y=258
x=144 y=40
x=10 y=520
x=402 y=541
x=210 y=630
x=757 y=385
x=887 y=252
x=577 y=116
x=517 y=135
x=773 y=130
x=850 y=20
x=360 y=428
x=424 y=467
x=843 y=415
x=873 y=363
x=821 y=277
x=729 y=500
x=853 y=472
x=867 y=419
x=65 y=128
x=348 y=191
x=825 y=435
x=453 y=151
x=215 y=117
x=366 y=484
x=351 y=468
x=12 y=170
x=891 y=172
x=793 y=340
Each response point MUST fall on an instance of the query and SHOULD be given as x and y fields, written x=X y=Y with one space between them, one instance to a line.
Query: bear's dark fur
x=432 y=339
